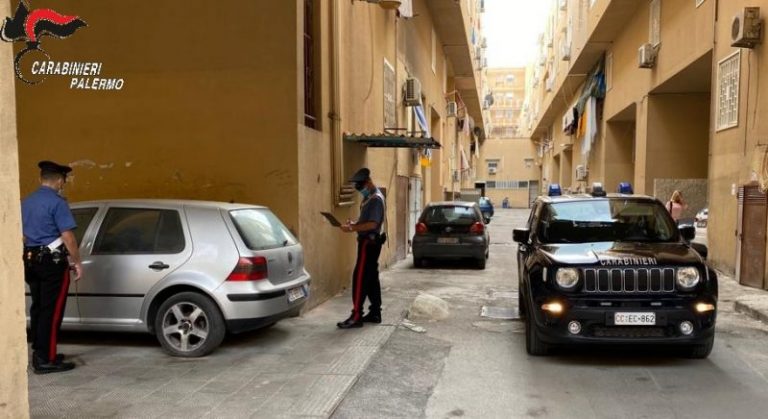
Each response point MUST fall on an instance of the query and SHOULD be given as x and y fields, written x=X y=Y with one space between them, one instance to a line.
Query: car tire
x=480 y=263
x=189 y=325
x=418 y=262
x=520 y=304
x=701 y=351
x=533 y=344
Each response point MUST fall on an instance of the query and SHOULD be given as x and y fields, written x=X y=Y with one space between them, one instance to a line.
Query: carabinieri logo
x=30 y=26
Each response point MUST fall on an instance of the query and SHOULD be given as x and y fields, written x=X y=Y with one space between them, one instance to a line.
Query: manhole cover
x=504 y=313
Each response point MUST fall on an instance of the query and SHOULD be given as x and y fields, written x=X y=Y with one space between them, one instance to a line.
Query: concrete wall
x=13 y=346
x=196 y=118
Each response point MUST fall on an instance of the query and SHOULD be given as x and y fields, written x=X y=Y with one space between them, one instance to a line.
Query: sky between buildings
x=512 y=28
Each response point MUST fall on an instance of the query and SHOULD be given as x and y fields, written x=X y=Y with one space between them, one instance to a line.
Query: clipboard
x=331 y=219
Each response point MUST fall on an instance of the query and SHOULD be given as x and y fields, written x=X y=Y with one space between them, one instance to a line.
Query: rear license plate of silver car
x=634 y=319
x=295 y=294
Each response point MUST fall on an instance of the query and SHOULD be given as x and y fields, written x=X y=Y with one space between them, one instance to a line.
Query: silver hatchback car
x=187 y=271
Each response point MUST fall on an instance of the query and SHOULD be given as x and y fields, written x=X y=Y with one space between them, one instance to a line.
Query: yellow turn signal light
x=554 y=308
x=704 y=307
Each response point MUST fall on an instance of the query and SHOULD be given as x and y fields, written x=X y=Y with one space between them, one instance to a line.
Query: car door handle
x=159 y=266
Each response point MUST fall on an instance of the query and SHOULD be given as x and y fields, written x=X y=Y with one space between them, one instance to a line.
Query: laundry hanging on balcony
x=588 y=108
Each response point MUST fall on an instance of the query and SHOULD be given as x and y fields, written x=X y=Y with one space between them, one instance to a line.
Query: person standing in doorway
x=676 y=205
x=365 y=277
x=49 y=248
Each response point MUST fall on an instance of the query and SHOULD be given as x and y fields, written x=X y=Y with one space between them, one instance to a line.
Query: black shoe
x=38 y=361
x=349 y=323
x=52 y=367
x=372 y=318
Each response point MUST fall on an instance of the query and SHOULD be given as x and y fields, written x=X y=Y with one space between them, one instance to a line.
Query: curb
x=745 y=308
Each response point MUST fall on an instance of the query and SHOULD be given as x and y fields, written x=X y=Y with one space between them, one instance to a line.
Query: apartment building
x=660 y=93
x=507 y=158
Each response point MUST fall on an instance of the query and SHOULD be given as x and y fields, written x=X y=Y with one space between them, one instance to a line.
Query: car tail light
x=250 y=269
x=421 y=228
x=477 y=228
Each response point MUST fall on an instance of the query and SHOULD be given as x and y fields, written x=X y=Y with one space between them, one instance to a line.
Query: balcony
x=451 y=19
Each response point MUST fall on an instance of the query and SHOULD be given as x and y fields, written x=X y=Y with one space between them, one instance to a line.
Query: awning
x=392 y=140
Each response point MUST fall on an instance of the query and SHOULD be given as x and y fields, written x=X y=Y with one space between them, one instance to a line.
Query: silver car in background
x=187 y=271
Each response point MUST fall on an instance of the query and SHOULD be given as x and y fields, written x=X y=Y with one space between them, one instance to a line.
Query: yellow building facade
x=677 y=111
x=507 y=162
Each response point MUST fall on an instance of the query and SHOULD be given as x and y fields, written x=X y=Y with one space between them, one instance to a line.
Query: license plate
x=634 y=319
x=448 y=240
x=295 y=294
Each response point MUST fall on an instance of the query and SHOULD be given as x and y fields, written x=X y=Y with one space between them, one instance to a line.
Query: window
x=390 y=96
x=83 y=218
x=728 y=72
x=655 y=24
x=261 y=230
x=311 y=82
x=699 y=2
x=493 y=166
x=140 y=231
x=528 y=163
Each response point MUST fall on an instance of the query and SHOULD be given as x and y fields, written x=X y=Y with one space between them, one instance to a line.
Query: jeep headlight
x=687 y=278
x=567 y=278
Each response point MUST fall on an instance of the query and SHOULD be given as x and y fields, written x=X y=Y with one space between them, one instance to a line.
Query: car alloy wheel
x=189 y=325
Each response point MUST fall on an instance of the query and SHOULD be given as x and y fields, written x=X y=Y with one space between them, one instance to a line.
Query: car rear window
x=260 y=229
x=450 y=214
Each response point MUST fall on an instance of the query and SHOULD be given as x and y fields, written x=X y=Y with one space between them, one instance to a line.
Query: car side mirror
x=688 y=232
x=486 y=220
x=521 y=235
x=701 y=249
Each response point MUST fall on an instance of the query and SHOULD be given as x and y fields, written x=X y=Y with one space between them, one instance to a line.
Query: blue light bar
x=555 y=190
x=626 y=188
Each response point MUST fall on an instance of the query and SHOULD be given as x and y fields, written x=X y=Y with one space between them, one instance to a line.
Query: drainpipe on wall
x=343 y=194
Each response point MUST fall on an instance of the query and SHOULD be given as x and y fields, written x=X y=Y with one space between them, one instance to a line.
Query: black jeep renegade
x=613 y=269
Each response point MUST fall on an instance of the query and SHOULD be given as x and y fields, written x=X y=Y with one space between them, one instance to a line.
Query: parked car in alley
x=451 y=230
x=615 y=269
x=186 y=271
x=702 y=217
x=486 y=208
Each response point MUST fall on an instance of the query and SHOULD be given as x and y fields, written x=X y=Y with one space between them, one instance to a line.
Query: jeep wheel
x=701 y=351
x=418 y=262
x=520 y=304
x=480 y=263
x=189 y=325
x=533 y=345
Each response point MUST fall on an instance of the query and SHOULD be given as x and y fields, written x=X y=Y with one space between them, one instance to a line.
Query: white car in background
x=702 y=218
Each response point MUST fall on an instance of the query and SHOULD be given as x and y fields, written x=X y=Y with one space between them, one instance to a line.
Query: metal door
x=753 y=235
x=118 y=271
x=402 y=217
x=533 y=192
x=414 y=205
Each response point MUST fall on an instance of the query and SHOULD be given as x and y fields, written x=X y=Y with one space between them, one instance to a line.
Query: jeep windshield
x=606 y=220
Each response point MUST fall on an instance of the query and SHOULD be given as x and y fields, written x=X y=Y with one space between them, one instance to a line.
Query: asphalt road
x=476 y=367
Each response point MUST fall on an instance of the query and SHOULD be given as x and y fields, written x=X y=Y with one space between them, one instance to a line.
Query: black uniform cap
x=361 y=175
x=51 y=167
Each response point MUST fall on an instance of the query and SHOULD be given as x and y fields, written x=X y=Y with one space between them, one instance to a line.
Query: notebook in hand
x=331 y=219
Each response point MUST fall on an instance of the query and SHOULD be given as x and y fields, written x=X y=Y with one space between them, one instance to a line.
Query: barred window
x=506 y=184
x=728 y=91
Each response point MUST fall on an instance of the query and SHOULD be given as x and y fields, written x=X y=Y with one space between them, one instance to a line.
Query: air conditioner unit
x=456 y=176
x=478 y=52
x=484 y=43
x=581 y=172
x=746 y=28
x=565 y=51
x=486 y=104
x=484 y=62
x=452 y=109
x=646 y=56
x=563 y=4
x=492 y=170
x=412 y=92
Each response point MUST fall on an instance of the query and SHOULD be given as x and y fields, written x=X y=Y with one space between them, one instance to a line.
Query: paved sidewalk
x=752 y=302
x=301 y=367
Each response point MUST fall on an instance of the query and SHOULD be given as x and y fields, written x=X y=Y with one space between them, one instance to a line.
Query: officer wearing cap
x=49 y=242
x=365 y=277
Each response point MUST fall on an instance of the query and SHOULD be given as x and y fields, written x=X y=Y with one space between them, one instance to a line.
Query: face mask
x=365 y=192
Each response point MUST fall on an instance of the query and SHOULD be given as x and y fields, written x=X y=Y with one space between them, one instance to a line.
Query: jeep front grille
x=629 y=280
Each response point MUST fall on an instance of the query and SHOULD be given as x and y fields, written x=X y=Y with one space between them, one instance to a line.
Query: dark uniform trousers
x=365 y=277
x=48 y=282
